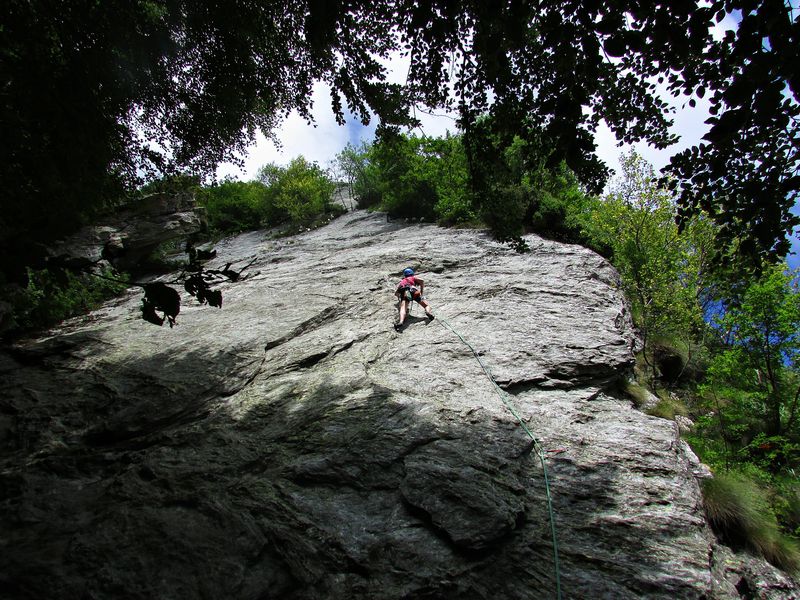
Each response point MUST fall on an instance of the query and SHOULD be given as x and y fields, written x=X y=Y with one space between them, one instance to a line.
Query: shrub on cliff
x=420 y=177
x=739 y=512
x=234 y=205
x=52 y=296
x=297 y=193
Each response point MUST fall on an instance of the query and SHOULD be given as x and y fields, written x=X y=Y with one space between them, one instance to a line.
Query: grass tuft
x=738 y=511
x=668 y=408
x=637 y=393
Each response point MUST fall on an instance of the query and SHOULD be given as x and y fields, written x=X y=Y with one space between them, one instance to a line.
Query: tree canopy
x=561 y=67
x=97 y=95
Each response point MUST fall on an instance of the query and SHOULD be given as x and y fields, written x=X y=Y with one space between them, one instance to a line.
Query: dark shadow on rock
x=139 y=486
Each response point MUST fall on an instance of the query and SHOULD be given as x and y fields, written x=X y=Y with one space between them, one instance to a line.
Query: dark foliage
x=160 y=297
x=97 y=93
x=557 y=68
x=746 y=173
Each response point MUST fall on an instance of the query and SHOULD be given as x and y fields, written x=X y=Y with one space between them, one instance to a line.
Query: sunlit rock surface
x=293 y=445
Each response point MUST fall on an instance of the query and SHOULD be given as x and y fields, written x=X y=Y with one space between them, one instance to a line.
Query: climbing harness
x=535 y=446
x=408 y=294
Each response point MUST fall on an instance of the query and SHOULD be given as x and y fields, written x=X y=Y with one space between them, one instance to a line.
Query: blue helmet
x=408 y=272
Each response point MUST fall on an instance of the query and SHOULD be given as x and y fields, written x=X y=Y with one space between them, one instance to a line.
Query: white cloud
x=689 y=125
x=318 y=143
x=321 y=143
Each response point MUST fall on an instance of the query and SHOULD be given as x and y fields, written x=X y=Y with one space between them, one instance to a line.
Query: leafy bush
x=51 y=297
x=299 y=193
x=411 y=199
x=547 y=214
x=771 y=452
x=368 y=197
x=453 y=209
x=406 y=190
x=416 y=177
x=663 y=269
x=710 y=449
x=786 y=504
x=559 y=208
x=355 y=167
x=761 y=356
x=447 y=167
x=511 y=191
x=233 y=206
x=739 y=512
x=295 y=195
x=366 y=189
x=503 y=211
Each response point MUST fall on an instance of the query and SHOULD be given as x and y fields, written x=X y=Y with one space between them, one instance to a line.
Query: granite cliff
x=293 y=445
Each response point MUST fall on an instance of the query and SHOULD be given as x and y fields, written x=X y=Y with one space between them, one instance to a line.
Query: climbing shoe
x=430 y=317
x=398 y=327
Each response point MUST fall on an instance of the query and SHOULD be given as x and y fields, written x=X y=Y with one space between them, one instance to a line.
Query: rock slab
x=293 y=445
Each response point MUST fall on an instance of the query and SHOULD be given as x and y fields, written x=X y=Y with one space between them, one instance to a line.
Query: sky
x=321 y=141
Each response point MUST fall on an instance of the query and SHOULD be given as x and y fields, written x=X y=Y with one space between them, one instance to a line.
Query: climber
x=410 y=288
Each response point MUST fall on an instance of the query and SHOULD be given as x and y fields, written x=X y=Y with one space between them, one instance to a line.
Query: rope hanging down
x=536 y=446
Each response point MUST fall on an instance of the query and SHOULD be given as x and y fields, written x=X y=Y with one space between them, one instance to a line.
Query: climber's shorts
x=410 y=294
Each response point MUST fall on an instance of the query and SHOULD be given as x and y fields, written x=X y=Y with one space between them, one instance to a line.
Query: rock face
x=293 y=445
x=129 y=236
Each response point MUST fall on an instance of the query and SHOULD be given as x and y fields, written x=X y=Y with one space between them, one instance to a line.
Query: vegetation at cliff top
x=298 y=195
x=288 y=199
x=99 y=95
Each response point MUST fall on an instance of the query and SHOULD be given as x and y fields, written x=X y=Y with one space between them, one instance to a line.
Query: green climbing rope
x=537 y=447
